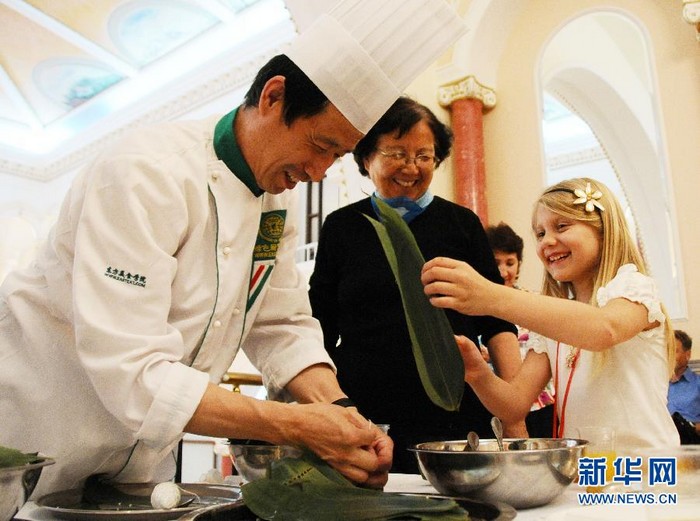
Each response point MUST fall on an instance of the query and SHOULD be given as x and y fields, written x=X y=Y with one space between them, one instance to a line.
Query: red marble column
x=468 y=152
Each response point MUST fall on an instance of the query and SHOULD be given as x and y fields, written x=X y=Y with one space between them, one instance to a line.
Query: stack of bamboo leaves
x=307 y=489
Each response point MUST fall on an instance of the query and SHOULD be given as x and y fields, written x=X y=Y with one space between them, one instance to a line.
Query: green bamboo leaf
x=15 y=458
x=308 y=489
x=439 y=363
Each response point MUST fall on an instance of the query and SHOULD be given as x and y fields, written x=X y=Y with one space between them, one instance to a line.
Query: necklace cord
x=558 y=423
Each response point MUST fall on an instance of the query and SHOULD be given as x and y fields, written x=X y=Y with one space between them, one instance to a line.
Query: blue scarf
x=407 y=208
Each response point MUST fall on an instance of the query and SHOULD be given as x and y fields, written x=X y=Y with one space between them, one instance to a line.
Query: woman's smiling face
x=395 y=178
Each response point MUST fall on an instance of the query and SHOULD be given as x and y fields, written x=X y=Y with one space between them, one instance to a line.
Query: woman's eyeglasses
x=400 y=158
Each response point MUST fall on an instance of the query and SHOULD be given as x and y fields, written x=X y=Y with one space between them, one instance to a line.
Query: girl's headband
x=587 y=197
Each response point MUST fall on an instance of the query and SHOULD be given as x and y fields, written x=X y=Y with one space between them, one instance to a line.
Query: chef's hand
x=348 y=442
x=453 y=284
x=383 y=447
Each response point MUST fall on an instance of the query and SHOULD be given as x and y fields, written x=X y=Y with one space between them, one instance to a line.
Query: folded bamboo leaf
x=307 y=489
x=439 y=363
x=15 y=458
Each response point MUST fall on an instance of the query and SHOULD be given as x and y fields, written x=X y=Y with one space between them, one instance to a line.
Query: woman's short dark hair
x=302 y=98
x=502 y=238
x=401 y=117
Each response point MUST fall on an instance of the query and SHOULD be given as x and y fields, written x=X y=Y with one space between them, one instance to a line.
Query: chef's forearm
x=233 y=415
x=225 y=414
x=316 y=383
x=329 y=431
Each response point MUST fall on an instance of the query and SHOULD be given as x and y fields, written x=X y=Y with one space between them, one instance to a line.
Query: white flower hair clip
x=589 y=198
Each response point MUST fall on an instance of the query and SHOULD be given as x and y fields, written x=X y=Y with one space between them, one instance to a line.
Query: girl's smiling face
x=569 y=250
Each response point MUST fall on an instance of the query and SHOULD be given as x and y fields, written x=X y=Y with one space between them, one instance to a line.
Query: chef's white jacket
x=137 y=301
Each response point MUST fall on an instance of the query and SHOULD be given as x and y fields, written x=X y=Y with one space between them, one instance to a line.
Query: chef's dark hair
x=302 y=98
x=401 y=117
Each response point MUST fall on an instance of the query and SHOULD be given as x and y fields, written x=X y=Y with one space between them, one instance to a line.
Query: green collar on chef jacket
x=227 y=150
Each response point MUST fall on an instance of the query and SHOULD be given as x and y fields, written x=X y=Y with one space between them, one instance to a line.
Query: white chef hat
x=362 y=54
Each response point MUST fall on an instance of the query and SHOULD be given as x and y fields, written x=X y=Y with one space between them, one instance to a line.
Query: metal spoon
x=472 y=441
x=497 y=427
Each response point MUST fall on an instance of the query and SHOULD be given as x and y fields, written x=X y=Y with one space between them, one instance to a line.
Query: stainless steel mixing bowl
x=17 y=484
x=253 y=459
x=528 y=473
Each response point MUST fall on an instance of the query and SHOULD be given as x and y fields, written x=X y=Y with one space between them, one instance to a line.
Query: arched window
x=601 y=120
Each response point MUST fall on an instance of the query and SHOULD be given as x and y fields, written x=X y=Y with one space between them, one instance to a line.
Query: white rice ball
x=165 y=496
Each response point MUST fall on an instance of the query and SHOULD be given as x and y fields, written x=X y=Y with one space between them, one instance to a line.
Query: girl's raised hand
x=456 y=285
x=474 y=361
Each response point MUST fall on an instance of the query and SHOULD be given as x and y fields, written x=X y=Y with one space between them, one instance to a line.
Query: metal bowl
x=527 y=473
x=17 y=484
x=253 y=459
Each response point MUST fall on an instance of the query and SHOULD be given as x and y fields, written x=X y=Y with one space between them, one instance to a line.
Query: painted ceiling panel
x=36 y=70
x=89 y=18
x=71 y=67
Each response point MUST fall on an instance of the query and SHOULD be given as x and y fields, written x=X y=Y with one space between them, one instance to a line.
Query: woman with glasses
x=355 y=297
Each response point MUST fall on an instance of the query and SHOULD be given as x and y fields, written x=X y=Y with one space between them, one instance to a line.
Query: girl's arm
x=456 y=285
x=510 y=401
x=504 y=352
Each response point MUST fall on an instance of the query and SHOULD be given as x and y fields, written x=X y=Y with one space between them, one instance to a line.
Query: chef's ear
x=272 y=95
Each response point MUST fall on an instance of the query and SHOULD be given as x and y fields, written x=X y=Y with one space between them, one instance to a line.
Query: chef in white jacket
x=173 y=250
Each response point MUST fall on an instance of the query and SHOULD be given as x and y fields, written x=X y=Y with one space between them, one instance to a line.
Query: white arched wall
x=514 y=153
x=637 y=165
x=598 y=64
x=479 y=52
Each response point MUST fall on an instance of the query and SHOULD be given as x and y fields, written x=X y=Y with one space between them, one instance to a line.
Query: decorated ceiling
x=71 y=68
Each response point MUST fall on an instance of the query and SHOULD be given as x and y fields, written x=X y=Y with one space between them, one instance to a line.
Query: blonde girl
x=599 y=328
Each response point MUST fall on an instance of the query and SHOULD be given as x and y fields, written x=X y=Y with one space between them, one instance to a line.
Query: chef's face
x=403 y=166
x=303 y=150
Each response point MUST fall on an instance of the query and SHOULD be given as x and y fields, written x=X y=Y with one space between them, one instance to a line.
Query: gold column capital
x=468 y=88
x=691 y=14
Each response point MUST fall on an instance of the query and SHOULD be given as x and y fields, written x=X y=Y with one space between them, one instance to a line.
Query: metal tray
x=68 y=504
x=478 y=511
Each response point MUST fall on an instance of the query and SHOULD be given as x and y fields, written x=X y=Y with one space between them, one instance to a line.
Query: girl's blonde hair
x=617 y=245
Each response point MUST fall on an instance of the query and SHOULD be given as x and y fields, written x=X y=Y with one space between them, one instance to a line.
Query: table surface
x=563 y=508
x=415 y=483
x=566 y=507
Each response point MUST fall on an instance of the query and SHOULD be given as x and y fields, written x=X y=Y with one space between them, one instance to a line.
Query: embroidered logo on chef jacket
x=269 y=234
x=129 y=278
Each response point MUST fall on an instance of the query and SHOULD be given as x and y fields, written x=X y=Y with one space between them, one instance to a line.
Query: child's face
x=508 y=266
x=569 y=250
